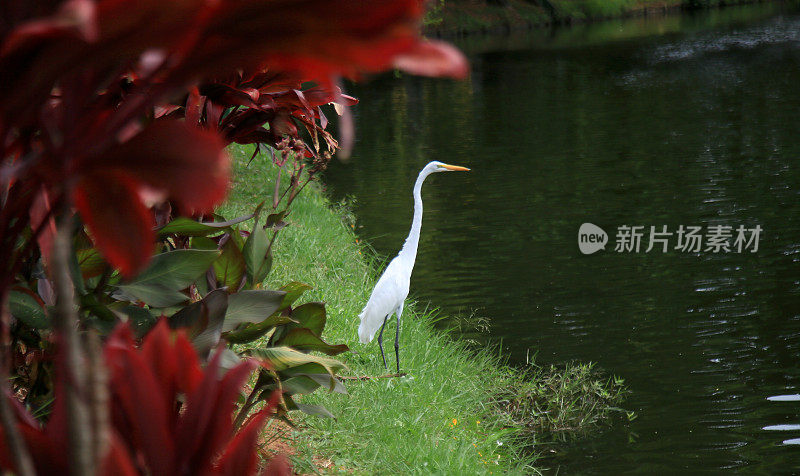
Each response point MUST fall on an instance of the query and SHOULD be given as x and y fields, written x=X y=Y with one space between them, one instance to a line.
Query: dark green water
x=673 y=121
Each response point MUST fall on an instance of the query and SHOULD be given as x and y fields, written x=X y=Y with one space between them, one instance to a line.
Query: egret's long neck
x=409 y=251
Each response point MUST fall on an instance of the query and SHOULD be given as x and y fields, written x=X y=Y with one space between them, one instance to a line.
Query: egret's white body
x=392 y=289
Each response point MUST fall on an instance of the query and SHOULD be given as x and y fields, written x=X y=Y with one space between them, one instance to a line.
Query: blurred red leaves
x=111 y=105
x=167 y=159
x=108 y=107
x=168 y=414
x=432 y=58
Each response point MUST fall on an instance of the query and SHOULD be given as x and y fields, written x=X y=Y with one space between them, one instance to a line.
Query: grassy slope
x=429 y=422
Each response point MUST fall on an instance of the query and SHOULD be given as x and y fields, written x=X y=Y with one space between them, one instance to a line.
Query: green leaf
x=293 y=292
x=214 y=306
x=257 y=256
x=288 y=401
x=188 y=318
x=253 y=306
x=100 y=325
x=316 y=410
x=90 y=262
x=326 y=381
x=168 y=273
x=140 y=319
x=299 y=384
x=266 y=267
x=188 y=227
x=275 y=220
x=293 y=362
x=27 y=309
x=305 y=339
x=202 y=287
x=89 y=302
x=204 y=243
x=230 y=266
x=75 y=272
x=311 y=316
x=229 y=359
x=254 y=331
x=203 y=320
x=154 y=295
x=176 y=269
x=236 y=236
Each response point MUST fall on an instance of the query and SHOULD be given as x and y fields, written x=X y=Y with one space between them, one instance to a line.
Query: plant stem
x=98 y=398
x=248 y=405
x=65 y=322
x=19 y=451
x=275 y=194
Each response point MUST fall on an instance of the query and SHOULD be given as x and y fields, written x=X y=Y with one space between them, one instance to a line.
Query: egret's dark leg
x=397 y=342
x=380 y=340
x=398 y=312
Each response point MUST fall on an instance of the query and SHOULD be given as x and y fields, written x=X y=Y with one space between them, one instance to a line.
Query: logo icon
x=591 y=238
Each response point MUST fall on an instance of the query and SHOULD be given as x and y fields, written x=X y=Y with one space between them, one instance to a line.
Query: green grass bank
x=458 y=411
x=462 y=17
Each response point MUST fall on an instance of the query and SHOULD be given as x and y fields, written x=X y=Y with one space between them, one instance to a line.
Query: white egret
x=392 y=289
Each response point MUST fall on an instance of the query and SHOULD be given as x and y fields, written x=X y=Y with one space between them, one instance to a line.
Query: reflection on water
x=689 y=126
x=782 y=428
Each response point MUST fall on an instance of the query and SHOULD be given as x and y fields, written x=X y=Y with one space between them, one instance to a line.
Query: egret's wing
x=389 y=293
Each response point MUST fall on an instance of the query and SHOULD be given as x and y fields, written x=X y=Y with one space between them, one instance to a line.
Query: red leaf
x=57 y=426
x=206 y=423
x=283 y=125
x=120 y=224
x=194 y=106
x=120 y=338
x=49 y=456
x=137 y=390
x=158 y=353
x=41 y=211
x=240 y=456
x=190 y=374
x=74 y=18
x=272 y=81
x=165 y=110
x=142 y=436
x=117 y=461
x=213 y=114
x=327 y=37
x=187 y=163
x=278 y=466
x=433 y=58
x=44 y=452
x=319 y=96
x=231 y=95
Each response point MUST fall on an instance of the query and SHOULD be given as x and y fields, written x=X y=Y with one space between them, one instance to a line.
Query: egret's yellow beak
x=455 y=168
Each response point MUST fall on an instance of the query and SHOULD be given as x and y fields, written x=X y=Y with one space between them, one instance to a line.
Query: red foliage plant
x=100 y=102
x=168 y=414
x=108 y=107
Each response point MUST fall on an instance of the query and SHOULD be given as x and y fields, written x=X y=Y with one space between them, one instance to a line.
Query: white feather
x=392 y=288
x=390 y=292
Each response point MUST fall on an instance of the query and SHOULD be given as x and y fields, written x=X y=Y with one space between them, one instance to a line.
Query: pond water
x=675 y=121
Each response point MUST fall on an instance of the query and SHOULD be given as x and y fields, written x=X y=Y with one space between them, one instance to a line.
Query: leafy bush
x=114 y=117
x=168 y=414
x=92 y=94
x=204 y=280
